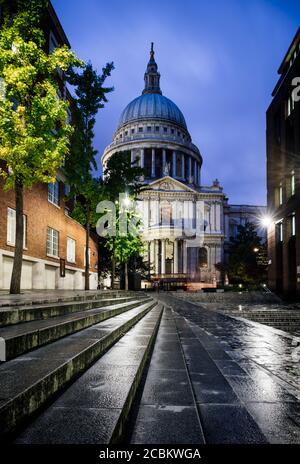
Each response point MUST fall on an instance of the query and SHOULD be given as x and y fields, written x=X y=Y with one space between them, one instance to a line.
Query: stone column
x=153 y=163
x=163 y=256
x=132 y=155
x=164 y=160
x=174 y=165
x=144 y=212
x=182 y=165
x=142 y=160
x=184 y=249
x=175 y=257
x=38 y=276
x=152 y=256
x=190 y=167
x=156 y=256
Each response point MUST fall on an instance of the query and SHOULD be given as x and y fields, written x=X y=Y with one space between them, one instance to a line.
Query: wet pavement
x=245 y=376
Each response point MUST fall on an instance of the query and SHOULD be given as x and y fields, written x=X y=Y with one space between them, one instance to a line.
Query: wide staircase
x=47 y=345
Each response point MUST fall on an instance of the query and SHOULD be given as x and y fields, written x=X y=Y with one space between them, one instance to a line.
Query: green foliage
x=90 y=97
x=34 y=134
x=244 y=264
x=129 y=245
x=121 y=175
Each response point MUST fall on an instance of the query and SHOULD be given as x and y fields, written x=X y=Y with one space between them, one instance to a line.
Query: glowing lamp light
x=266 y=221
x=126 y=201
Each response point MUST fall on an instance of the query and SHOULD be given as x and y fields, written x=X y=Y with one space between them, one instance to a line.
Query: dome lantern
x=152 y=76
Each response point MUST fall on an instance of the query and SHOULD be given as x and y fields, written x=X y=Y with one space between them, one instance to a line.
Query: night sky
x=218 y=62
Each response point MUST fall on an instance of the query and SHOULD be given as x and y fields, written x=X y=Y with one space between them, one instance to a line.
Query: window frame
x=71 y=257
x=51 y=251
x=11 y=229
x=51 y=195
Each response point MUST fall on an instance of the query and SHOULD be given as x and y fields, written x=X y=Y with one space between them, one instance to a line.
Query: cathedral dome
x=152 y=106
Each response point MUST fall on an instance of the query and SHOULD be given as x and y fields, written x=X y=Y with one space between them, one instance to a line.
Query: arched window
x=202 y=257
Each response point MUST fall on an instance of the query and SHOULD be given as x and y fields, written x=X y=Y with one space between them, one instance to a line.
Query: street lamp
x=266 y=221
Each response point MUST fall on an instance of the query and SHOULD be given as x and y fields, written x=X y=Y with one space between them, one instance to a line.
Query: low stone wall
x=254 y=297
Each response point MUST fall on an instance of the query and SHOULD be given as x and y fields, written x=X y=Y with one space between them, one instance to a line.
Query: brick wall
x=42 y=214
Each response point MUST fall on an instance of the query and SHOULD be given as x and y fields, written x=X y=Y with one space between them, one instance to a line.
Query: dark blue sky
x=218 y=62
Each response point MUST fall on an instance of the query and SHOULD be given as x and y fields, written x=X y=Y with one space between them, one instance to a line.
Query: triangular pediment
x=168 y=184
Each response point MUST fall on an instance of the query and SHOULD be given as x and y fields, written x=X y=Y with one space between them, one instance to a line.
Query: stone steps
x=10 y=315
x=29 y=381
x=96 y=407
x=18 y=339
x=50 y=297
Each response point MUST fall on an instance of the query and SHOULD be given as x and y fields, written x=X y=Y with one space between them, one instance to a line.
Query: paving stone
x=279 y=421
x=213 y=389
x=265 y=390
x=70 y=426
x=171 y=424
x=166 y=387
x=229 y=424
x=100 y=387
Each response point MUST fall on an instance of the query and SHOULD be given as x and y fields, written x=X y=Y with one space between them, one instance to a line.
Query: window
x=71 y=250
x=126 y=133
x=157 y=128
x=279 y=227
x=89 y=256
x=121 y=135
x=140 y=129
x=11 y=228
x=290 y=105
x=172 y=131
x=132 y=131
x=52 y=242
x=293 y=185
x=53 y=43
x=293 y=224
x=149 y=129
x=165 y=129
x=53 y=193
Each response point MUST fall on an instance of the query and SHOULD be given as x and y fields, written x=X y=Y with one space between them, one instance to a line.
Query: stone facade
x=283 y=164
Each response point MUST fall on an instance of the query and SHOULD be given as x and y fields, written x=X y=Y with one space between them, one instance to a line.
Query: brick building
x=283 y=163
x=54 y=244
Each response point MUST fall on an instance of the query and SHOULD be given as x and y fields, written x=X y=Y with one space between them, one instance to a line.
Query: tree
x=34 y=133
x=128 y=245
x=121 y=176
x=245 y=265
x=90 y=97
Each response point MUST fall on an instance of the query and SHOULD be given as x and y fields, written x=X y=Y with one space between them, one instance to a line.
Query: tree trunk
x=87 y=261
x=15 y=283
x=126 y=276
